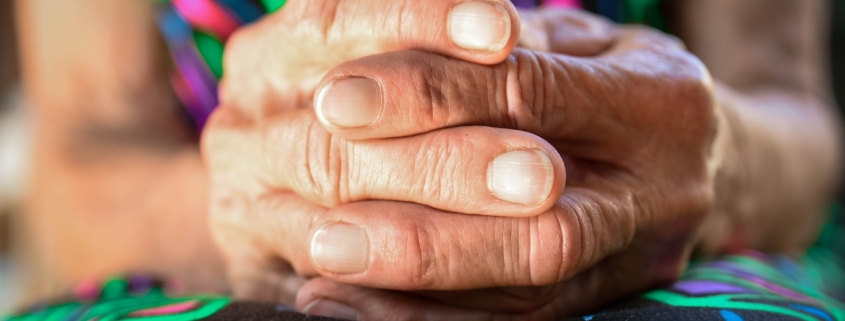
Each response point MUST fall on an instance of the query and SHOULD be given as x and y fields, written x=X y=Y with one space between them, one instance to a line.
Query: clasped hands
x=456 y=159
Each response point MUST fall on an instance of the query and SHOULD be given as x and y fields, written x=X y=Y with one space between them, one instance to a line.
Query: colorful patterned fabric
x=746 y=286
x=143 y=299
x=136 y=298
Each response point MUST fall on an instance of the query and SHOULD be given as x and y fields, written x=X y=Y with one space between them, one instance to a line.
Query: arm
x=118 y=183
x=781 y=144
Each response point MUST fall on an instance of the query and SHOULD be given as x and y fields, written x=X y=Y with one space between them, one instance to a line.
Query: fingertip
x=485 y=32
x=331 y=309
x=325 y=298
x=348 y=103
x=559 y=184
x=521 y=176
x=530 y=174
x=479 y=25
x=340 y=248
x=555 y=187
x=311 y=291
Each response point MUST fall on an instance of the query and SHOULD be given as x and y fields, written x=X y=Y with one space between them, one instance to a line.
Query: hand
x=636 y=124
x=276 y=63
x=276 y=172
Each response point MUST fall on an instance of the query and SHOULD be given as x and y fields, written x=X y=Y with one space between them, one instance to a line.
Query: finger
x=587 y=101
x=481 y=31
x=618 y=278
x=268 y=237
x=516 y=299
x=262 y=281
x=405 y=246
x=568 y=32
x=621 y=277
x=256 y=268
x=331 y=299
x=279 y=60
x=473 y=170
x=411 y=247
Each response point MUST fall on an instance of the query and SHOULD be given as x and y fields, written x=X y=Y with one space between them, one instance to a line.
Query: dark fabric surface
x=251 y=311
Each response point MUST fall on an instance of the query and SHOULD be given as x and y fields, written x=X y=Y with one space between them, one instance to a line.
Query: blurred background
x=13 y=151
x=15 y=137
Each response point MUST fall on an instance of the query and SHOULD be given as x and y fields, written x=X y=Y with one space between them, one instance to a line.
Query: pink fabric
x=167 y=309
x=563 y=3
x=207 y=15
x=87 y=290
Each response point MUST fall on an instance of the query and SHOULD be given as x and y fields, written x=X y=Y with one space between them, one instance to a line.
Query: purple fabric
x=524 y=3
x=708 y=287
x=200 y=80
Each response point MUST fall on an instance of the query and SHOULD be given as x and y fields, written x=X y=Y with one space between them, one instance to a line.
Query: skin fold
x=658 y=149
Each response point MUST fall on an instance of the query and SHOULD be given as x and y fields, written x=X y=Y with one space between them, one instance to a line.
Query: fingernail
x=349 y=103
x=331 y=309
x=480 y=25
x=340 y=248
x=528 y=292
x=522 y=176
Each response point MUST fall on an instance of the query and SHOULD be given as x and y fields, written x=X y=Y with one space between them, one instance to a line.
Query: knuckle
x=430 y=83
x=694 y=96
x=586 y=231
x=315 y=18
x=532 y=90
x=558 y=248
x=228 y=211
x=318 y=169
x=238 y=44
x=427 y=77
x=228 y=134
x=695 y=83
x=421 y=257
x=440 y=88
x=240 y=62
x=653 y=38
x=218 y=138
x=213 y=139
x=686 y=87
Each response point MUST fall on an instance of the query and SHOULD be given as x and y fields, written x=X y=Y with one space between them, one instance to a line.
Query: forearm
x=777 y=169
x=118 y=182
x=121 y=211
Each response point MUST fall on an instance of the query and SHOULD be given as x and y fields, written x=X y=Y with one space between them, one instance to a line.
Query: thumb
x=479 y=31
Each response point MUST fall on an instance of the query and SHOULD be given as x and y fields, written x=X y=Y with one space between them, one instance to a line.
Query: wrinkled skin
x=629 y=112
x=648 y=159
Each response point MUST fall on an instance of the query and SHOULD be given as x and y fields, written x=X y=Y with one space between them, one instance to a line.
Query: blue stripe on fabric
x=611 y=9
x=815 y=311
x=244 y=11
x=174 y=27
x=730 y=316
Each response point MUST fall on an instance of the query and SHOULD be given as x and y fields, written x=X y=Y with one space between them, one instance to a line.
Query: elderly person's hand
x=418 y=172
x=275 y=171
x=445 y=176
x=629 y=110
x=633 y=117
